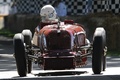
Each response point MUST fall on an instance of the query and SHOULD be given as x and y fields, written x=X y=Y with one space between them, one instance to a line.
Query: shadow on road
x=60 y=73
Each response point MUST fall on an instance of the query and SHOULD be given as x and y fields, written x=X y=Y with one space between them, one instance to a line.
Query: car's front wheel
x=27 y=40
x=98 y=56
x=19 y=53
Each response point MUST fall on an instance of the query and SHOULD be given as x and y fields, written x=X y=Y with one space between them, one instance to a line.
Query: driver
x=48 y=13
x=48 y=16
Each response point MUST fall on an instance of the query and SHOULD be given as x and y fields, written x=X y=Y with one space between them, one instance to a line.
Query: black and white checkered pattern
x=114 y=6
x=74 y=7
x=7 y=1
x=31 y=6
x=98 y=6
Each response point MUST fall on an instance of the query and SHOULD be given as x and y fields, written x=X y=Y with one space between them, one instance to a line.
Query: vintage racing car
x=59 y=46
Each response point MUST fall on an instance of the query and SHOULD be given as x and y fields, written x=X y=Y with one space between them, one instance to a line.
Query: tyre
x=98 y=58
x=27 y=40
x=20 y=56
x=104 y=57
x=104 y=63
x=105 y=51
x=27 y=36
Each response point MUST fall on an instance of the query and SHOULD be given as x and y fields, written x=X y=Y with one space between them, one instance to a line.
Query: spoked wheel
x=98 y=57
x=20 y=55
x=27 y=40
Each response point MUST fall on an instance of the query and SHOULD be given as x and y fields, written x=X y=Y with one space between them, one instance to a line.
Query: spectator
x=88 y=8
x=60 y=8
x=13 y=9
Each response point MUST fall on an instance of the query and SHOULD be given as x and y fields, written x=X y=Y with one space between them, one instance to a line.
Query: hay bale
x=20 y=22
x=31 y=22
x=111 y=25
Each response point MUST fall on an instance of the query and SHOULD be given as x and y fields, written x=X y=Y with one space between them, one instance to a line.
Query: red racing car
x=59 y=46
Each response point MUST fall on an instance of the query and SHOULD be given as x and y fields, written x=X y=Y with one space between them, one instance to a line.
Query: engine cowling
x=60 y=37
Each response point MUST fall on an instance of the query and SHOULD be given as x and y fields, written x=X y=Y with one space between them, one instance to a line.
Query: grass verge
x=113 y=53
x=6 y=33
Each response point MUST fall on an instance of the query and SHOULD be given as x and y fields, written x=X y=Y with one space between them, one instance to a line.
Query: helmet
x=48 y=13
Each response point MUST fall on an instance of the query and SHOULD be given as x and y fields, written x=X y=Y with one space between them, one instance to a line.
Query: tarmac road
x=8 y=68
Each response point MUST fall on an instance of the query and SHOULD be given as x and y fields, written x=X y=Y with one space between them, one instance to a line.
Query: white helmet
x=48 y=13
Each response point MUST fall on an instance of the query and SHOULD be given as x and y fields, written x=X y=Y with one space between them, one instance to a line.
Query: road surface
x=8 y=68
